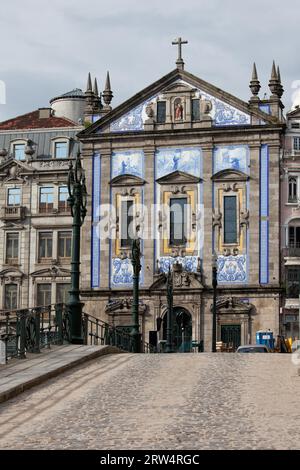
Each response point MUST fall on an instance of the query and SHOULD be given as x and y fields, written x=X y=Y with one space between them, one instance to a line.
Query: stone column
x=207 y=155
x=254 y=218
x=274 y=214
x=148 y=188
x=105 y=261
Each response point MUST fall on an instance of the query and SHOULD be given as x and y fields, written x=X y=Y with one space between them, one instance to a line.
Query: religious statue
x=178 y=110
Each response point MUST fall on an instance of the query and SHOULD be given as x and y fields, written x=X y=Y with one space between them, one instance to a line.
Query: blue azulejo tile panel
x=95 y=242
x=264 y=216
x=122 y=273
x=222 y=114
x=232 y=269
x=189 y=263
x=134 y=119
x=183 y=159
x=129 y=162
x=231 y=157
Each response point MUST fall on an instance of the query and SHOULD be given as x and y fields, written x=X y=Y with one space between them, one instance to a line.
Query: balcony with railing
x=12 y=212
x=291 y=251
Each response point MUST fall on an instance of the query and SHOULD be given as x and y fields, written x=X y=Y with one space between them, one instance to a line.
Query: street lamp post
x=136 y=265
x=77 y=202
x=169 y=343
x=214 y=306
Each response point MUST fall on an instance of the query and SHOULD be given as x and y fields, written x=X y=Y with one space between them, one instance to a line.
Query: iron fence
x=29 y=330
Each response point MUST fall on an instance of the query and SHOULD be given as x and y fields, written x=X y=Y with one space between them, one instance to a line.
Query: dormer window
x=19 y=151
x=161 y=112
x=61 y=148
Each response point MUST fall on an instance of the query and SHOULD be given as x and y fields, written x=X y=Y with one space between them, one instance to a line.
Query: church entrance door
x=182 y=329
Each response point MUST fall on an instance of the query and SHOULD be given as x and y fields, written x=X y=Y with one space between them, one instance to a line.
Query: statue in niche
x=178 y=109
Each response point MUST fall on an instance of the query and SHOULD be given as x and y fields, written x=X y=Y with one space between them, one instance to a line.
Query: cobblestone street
x=175 y=401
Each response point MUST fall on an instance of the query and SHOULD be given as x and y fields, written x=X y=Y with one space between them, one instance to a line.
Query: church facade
x=194 y=173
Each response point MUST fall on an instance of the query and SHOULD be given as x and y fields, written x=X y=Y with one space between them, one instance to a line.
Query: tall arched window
x=292 y=189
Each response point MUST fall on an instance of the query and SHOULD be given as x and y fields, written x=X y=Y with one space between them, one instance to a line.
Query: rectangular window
x=14 y=196
x=295 y=125
x=64 y=244
x=293 y=279
x=12 y=248
x=45 y=245
x=294 y=237
x=19 y=151
x=63 y=195
x=161 y=112
x=296 y=143
x=230 y=219
x=178 y=221
x=44 y=294
x=46 y=199
x=195 y=110
x=61 y=150
x=126 y=223
x=11 y=297
x=62 y=293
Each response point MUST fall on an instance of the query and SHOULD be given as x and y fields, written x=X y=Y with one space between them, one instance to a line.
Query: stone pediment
x=230 y=175
x=127 y=180
x=53 y=271
x=15 y=170
x=181 y=280
x=178 y=177
x=233 y=305
x=123 y=306
x=11 y=274
x=227 y=110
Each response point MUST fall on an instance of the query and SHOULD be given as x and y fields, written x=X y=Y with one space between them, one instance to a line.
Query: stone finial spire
x=273 y=82
x=95 y=89
x=89 y=98
x=97 y=105
x=107 y=93
x=280 y=87
x=89 y=83
x=254 y=84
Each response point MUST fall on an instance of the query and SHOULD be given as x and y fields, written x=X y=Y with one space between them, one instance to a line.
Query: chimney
x=44 y=113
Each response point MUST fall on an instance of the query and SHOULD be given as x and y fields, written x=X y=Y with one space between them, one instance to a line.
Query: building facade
x=290 y=225
x=193 y=171
x=35 y=220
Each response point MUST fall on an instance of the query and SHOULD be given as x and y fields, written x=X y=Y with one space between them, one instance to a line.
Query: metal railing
x=29 y=330
x=98 y=332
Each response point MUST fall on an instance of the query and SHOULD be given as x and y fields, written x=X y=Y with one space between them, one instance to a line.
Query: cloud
x=48 y=48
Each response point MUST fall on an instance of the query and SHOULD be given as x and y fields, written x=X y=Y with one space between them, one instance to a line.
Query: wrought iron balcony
x=292 y=251
x=12 y=212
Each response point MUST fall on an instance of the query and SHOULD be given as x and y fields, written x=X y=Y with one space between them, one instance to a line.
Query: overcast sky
x=48 y=47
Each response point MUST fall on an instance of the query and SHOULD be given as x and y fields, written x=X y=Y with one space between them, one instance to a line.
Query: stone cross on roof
x=178 y=42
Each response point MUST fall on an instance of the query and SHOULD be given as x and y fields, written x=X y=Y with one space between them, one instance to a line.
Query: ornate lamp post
x=136 y=264
x=169 y=343
x=214 y=306
x=77 y=202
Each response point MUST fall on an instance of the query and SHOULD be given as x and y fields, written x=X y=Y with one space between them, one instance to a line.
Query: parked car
x=253 y=348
